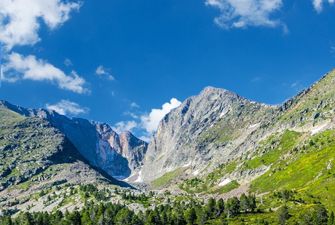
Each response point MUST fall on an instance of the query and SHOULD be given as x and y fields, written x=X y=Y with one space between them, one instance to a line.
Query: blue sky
x=116 y=60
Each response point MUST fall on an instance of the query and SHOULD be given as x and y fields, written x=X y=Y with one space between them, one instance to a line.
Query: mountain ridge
x=94 y=140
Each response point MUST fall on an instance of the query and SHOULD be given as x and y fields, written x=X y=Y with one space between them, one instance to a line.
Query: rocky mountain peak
x=187 y=136
x=209 y=90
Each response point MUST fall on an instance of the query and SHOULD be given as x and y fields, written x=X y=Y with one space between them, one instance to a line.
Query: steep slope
x=312 y=110
x=133 y=149
x=123 y=153
x=203 y=132
x=35 y=156
x=294 y=152
x=97 y=142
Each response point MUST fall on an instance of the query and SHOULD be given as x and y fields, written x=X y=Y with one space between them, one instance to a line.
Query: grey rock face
x=118 y=155
x=133 y=149
x=123 y=153
x=203 y=132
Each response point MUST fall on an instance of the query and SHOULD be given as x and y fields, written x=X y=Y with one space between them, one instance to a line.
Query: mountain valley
x=216 y=145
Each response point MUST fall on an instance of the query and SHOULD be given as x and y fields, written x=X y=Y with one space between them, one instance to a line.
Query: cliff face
x=133 y=149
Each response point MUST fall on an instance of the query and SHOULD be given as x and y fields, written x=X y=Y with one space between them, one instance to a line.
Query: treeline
x=176 y=213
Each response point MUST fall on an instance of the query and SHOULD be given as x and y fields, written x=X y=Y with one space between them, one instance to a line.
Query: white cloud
x=151 y=121
x=65 y=107
x=318 y=4
x=20 y=19
x=134 y=105
x=147 y=124
x=244 y=13
x=29 y=68
x=125 y=126
x=102 y=71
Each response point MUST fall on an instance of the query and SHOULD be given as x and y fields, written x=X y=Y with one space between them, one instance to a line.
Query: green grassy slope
x=26 y=145
x=310 y=170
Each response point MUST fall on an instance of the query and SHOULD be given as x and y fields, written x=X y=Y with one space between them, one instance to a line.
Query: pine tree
x=220 y=206
x=210 y=208
x=190 y=216
x=85 y=218
x=283 y=215
x=232 y=207
x=201 y=216
x=6 y=221
x=252 y=203
x=26 y=219
x=75 y=218
x=244 y=203
x=123 y=217
x=321 y=215
x=331 y=219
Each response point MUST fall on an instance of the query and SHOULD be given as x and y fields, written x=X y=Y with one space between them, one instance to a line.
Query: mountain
x=118 y=155
x=203 y=132
x=36 y=157
x=220 y=143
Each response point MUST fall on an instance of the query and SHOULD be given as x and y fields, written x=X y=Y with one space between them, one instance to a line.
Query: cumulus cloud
x=20 y=19
x=244 y=13
x=65 y=107
x=30 y=68
x=151 y=121
x=125 y=126
x=146 y=123
x=318 y=4
x=102 y=71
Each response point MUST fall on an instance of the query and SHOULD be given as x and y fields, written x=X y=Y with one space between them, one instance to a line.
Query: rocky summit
x=203 y=132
